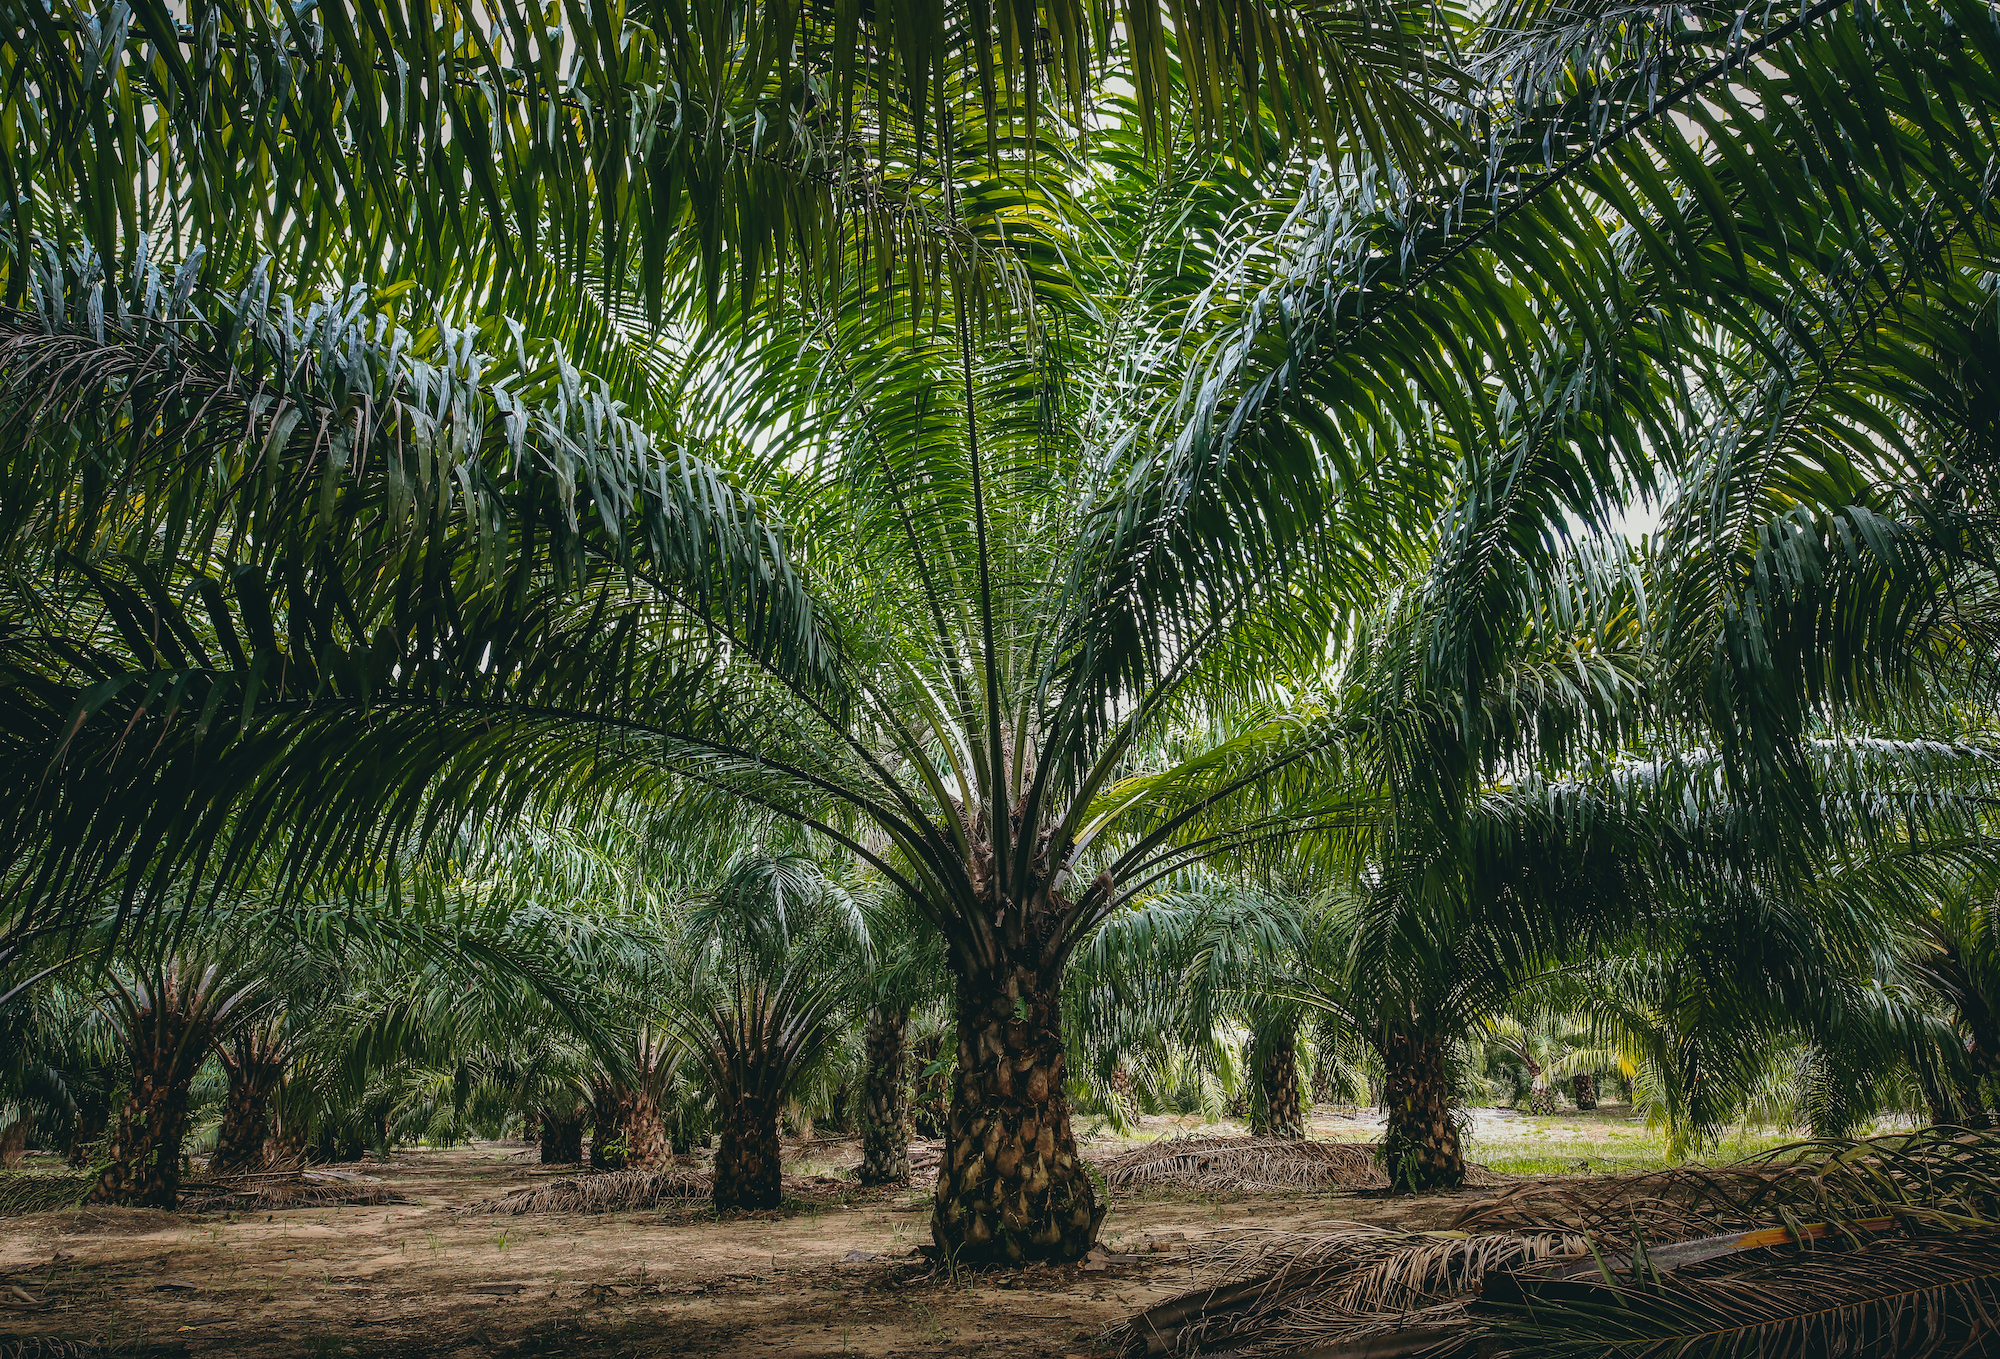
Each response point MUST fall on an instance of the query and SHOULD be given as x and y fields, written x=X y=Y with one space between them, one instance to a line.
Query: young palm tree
x=768 y=962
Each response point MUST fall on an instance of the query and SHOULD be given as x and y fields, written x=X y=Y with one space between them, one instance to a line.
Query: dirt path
x=826 y=1279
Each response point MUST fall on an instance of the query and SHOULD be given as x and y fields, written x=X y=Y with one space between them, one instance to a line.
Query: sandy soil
x=830 y=1274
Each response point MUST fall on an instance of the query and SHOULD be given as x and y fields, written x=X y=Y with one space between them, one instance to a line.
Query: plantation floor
x=830 y=1274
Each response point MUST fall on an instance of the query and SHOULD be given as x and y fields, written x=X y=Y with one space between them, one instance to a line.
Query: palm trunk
x=562 y=1136
x=748 y=1169
x=1541 y=1100
x=1124 y=1095
x=646 y=1144
x=531 y=1126
x=609 y=1116
x=1583 y=1089
x=1278 y=1079
x=1010 y=1186
x=246 y=1118
x=286 y=1147
x=1420 y=1145
x=885 y=1114
x=145 y=1169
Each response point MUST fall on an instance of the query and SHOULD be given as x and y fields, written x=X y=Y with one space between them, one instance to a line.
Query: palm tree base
x=885 y=1117
x=1420 y=1148
x=1011 y=1188
x=748 y=1169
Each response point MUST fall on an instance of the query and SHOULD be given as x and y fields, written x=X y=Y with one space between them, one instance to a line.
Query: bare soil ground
x=831 y=1273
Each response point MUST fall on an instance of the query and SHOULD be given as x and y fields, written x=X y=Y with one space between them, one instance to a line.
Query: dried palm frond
x=1904 y=1296
x=1936 y=1178
x=39 y=1193
x=1229 y=1164
x=1223 y=1164
x=48 y=1347
x=280 y=1191
x=1886 y=1245
x=1272 y=1292
x=612 y=1192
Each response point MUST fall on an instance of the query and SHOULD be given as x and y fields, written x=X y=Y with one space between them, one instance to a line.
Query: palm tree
x=1551 y=1047
x=168 y=1013
x=769 y=962
x=1043 y=497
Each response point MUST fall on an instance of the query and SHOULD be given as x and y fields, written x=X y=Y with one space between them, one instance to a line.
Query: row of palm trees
x=1036 y=454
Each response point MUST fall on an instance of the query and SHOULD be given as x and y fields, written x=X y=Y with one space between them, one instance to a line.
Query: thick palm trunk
x=885 y=1114
x=748 y=1168
x=646 y=1144
x=1420 y=1145
x=1010 y=1186
x=562 y=1136
x=1278 y=1080
x=145 y=1168
x=1583 y=1089
x=246 y=1118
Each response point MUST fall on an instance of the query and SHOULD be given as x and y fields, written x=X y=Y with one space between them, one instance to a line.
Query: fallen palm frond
x=1224 y=1164
x=1274 y=1292
x=242 y=1194
x=1940 y=1178
x=612 y=1192
x=1887 y=1245
x=1904 y=1296
x=35 y=1192
x=1228 y=1164
x=48 y=1347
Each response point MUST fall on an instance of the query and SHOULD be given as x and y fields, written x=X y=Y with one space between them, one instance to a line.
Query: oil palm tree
x=771 y=965
x=1041 y=499
x=168 y=1013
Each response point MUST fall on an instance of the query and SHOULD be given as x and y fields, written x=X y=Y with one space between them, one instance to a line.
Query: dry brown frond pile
x=1939 y=1178
x=1886 y=1245
x=1276 y=1292
x=1246 y=1164
x=287 y=1187
x=1226 y=1164
x=611 y=1192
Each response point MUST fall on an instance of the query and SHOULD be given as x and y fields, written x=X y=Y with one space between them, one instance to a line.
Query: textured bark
x=1541 y=1099
x=1278 y=1080
x=646 y=1144
x=1583 y=1089
x=145 y=1168
x=255 y=1059
x=1010 y=1185
x=1123 y=1095
x=562 y=1136
x=885 y=1114
x=747 y=1165
x=610 y=1112
x=1420 y=1147
x=246 y=1119
x=286 y=1147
